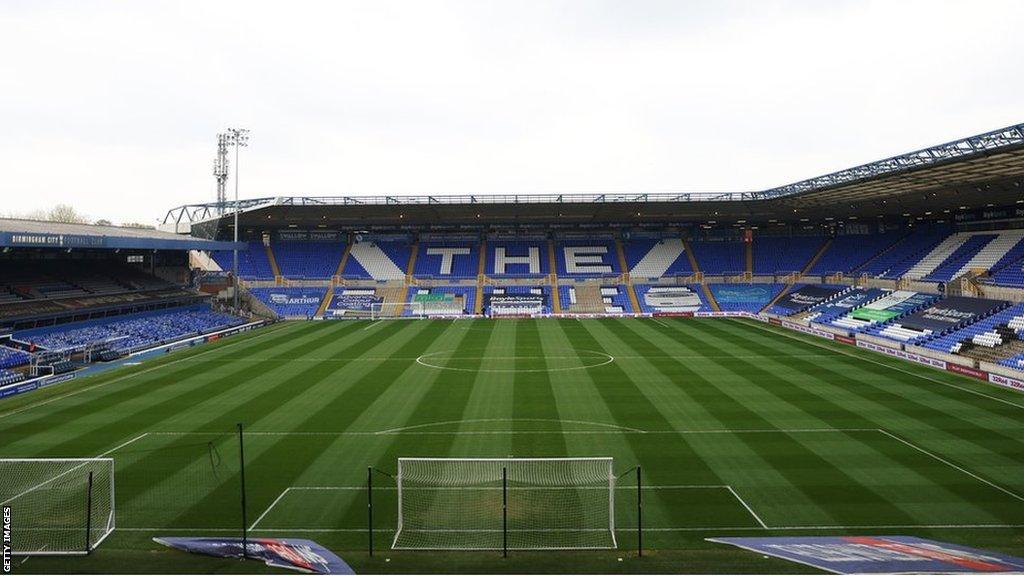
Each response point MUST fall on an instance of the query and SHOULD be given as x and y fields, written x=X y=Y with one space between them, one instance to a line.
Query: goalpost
x=57 y=505
x=381 y=310
x=505 y=503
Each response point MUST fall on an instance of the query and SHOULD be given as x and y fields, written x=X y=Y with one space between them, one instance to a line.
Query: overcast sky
x=113 y=107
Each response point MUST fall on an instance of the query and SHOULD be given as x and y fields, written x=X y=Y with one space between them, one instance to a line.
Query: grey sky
x=114 y=106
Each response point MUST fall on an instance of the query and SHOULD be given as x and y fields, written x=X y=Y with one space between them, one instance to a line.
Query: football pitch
x=740 y=428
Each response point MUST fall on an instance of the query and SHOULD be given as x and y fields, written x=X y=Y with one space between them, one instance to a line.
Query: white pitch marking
x=952 y=465
x=480 y=420
x=527 y=432
x=272 y=504
x=70 y=470
x=608 y=359
x=747 y=506
x=890 y=366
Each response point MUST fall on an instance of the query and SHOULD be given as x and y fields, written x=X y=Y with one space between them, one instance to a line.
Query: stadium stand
x=843 y=304
x=990 y=332
x=671 y=299
x=744 y=297
x=12 y=358
x=129 y=333
x=849 y=251
x=253 y=263
x=447 y=260
x=8 y=377
x=522 y=258
x=517 y=300
x=970 y=247
x=587 y=258
x=938 y=319
x=291 y=302
x=894 y=262
x=440 y=301
x=657 y=258
x=892 y=306
x=381 y=261
x=720 y=257
x=802 y=297
x=773 y=255
x=308 y=259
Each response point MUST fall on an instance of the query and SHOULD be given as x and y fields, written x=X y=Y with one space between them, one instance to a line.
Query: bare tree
x=103 y=222
x=66 y=214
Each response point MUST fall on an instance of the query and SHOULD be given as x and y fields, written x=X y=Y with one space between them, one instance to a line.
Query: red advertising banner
x=958 y=369
x=673 y=314
x=845 y=339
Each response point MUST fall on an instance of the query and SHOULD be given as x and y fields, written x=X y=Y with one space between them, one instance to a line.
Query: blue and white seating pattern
x=849 y=251
x=447 y=260
x=984 y=332
x=843 y=304
x=132 y=332
x=587 y=258
x=671 y=299
x=528 y=259
x=379 y=261
x=11 y=357
x=291 y=302
x=8 y=377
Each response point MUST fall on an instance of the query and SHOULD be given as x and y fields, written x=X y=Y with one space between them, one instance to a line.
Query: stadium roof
x=40 y=234
x=978 y=171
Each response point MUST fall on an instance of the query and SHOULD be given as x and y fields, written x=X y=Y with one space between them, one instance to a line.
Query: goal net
x=418 y=309
x=379 y=310
x=57 y=505
x=487 y=503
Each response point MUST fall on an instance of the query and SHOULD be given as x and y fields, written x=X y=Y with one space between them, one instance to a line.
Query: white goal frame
x=610 y=480
x=95 y=529
x=377 y=310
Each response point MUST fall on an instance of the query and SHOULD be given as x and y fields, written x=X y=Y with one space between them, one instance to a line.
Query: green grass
x=735 y=424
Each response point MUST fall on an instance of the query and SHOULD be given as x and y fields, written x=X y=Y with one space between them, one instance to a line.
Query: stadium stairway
x=273 y=261
x=325 y=302
x=393 y=299
x=414 y=251
x=588 y=299
x=817 y=256
x=630 y=291
x=708 y=296
x=881 y=253
x=785 y=290
x=749 y=248
x=556 y=300
x=344 y=260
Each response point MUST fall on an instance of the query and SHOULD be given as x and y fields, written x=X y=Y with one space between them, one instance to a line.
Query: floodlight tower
x=239 y=138
x=221 y=166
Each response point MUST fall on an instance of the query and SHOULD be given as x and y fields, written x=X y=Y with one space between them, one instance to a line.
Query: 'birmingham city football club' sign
x=880 y=554
x=301 y=555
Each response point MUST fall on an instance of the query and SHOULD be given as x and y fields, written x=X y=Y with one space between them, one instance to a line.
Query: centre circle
x=462 y=361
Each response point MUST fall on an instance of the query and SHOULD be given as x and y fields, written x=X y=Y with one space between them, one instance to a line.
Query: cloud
x=113 y=107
